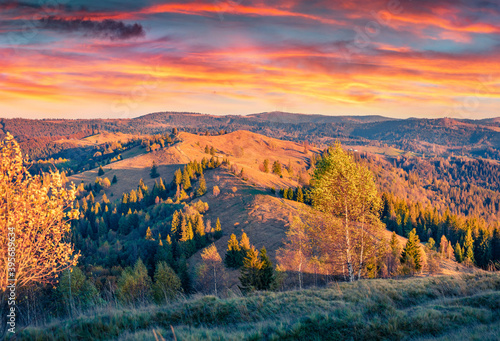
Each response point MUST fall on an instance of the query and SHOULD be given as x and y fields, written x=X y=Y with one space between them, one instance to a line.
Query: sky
x=122 y=59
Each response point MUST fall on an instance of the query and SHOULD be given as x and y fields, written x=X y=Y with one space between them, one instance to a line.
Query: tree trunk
x=215 y=281
x=362 y=247
x=348 y=244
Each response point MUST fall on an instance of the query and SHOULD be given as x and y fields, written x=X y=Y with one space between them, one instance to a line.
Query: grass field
x=465 y=307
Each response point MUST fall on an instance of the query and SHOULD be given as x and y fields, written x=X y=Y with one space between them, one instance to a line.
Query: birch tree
x=213 y=262
x=35 y=214
x=293 y=256
x=346 y=193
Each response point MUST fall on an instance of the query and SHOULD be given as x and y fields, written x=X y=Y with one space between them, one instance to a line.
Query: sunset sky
x=121 y=59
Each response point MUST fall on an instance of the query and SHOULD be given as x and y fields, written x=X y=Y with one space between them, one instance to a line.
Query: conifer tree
x=186 y=180
x=101 y=171
x=469 y=248
x=443 y=245
x=244 y=242
x=178 y=177
x=482 y=249
x=250 y=271
x=218 y=229
x=176 y=225
x=459 y=256
x=154 y=171
x=115 y=180
x=149 y=234
x=411 y=255
x=199 y=226
x=202 y=189
x=300 y=195
x=266 y=276
x=233 y=257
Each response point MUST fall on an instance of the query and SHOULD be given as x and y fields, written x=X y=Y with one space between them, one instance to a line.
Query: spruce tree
x=154 y=171
x=218 y=229
x=300 y=195
x=250 y=271
x=202 y=189
x=149 y=234
x=411 y=253
x=482 y=249
x=186 y=180
x=115 y=180
x=101 y=171
x=175 y=225
x=469 y=247
x=178 y=177
x=266 y=276
x=459 y=256
x=233 y=257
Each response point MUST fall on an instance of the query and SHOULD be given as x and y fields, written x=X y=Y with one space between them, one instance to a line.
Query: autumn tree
x=443 y=247
x=212 y=269
x=76 y=291
x=218 y=229
x=394 y=260
x=202 y=187
x=294 y=254
x=167 y=284
x=346 y=194
x=34 y=219
x=277 y=168
x=266 y=166
x=134 y=284
x=216 y=191
x=233 y=257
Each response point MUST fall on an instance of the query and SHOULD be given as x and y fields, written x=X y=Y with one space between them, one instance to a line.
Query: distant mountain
x=285 y=117
x=441 y=136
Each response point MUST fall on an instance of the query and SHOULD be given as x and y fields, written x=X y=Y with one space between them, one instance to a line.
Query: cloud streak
x=109 y=29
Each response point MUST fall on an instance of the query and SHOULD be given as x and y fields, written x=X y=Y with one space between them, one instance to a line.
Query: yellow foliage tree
x=34 y=218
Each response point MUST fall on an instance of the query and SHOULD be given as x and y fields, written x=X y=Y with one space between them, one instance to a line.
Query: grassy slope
x=449 y=308
x=244 y=149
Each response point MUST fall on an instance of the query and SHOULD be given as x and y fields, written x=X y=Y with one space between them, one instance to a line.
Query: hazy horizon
x=102 y=59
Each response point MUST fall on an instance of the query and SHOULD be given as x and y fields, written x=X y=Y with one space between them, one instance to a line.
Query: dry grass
x=419 y=308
